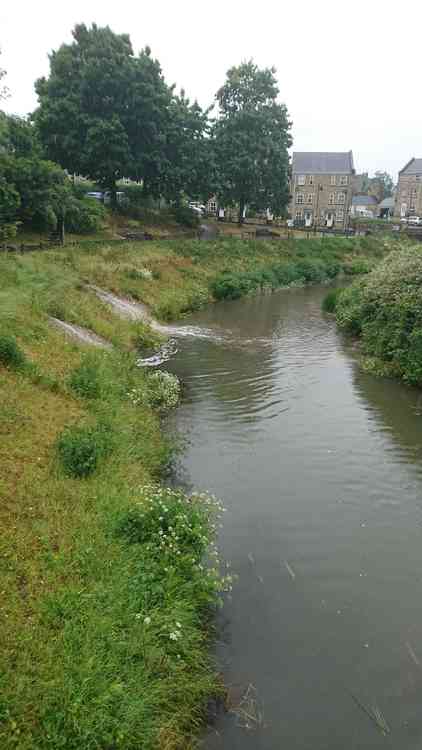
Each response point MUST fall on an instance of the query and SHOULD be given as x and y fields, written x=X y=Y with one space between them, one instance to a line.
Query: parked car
x=415 y=220
x=198 y=210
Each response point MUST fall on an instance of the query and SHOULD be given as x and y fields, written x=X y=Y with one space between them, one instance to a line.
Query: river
x=320 y=468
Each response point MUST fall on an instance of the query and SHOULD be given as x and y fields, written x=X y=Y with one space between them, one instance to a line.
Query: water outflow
x=320 y=468
x=128 y=308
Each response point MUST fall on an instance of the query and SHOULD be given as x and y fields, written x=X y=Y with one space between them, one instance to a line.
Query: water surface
x=320 y=468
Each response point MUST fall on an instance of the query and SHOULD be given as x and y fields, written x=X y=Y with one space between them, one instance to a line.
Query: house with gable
x=321 y=188
x=409 y=190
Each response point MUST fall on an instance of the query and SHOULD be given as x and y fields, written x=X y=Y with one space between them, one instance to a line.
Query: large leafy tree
x=251 y=138
x=189 y=154
x=83 y=104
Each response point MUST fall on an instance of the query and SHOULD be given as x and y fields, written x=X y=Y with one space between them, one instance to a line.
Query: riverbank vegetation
x=106 y=617
x=105 y=603
x=384 y=309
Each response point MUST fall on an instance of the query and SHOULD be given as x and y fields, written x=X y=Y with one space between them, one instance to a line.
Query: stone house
x=364 y=205
x=321 y=188
x=409 y=190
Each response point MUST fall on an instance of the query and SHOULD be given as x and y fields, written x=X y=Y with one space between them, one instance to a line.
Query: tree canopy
x=106 y=113
x=251 y=137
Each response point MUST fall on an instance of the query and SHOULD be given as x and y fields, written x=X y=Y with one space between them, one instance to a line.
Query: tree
x=33 y=190
x=251 y=140
x=189 y=154
x=3 y=89
x=381 y=186
x=83 y=104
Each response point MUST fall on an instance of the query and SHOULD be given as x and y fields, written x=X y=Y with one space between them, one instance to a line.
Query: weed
x=11 y=355
x=80 y=448
x=330 y=300
x=84 y=379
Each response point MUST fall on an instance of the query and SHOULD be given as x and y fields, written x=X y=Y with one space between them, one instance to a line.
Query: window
x=301 y=179
x=299 y=215
x=311 y=179
x=344 y=180
x=331 y=199
x=333 y=179
x=300 y=198
x=341 y=198
x=310 y=198
x=340 y=215
x=212 y=207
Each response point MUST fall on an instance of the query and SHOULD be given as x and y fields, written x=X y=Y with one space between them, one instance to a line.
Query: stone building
x=409 y=190
x=321 y=188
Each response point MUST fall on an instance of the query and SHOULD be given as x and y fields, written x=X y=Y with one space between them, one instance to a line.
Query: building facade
x=321 y=188
x=409 y=190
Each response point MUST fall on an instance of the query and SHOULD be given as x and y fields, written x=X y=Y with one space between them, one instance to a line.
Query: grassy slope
x=385 y=310
x=77 y=671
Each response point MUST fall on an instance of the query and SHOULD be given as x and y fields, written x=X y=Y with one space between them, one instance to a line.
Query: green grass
x=79 y=666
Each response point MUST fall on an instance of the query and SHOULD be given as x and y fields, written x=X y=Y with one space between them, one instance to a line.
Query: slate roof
x=387 y=203
x=414 y=166
x=364 y=200
x=322 y=162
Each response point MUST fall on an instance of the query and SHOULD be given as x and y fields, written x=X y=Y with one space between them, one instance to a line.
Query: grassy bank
x=384 y=309
x=175 y=277
x=105 y=605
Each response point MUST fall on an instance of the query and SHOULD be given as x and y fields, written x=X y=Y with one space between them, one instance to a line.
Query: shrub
x=85 y=216
x=10 y=353
x=80 y=448
x=185 y=216
x=385 y=309
x=84 y=379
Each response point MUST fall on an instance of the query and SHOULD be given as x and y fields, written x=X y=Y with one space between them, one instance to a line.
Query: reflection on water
x=319 y=466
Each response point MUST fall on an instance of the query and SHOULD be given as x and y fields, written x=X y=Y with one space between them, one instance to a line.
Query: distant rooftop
x=322 y=162
x=364 y=200
x=414 y=166
x=387 y=203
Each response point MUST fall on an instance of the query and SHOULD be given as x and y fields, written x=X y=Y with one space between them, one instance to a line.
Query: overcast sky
x=349 y=72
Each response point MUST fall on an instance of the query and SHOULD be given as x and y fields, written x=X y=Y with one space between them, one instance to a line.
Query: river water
x=320 y=468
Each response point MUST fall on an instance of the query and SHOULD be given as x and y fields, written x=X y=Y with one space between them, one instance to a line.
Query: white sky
x=350 y=73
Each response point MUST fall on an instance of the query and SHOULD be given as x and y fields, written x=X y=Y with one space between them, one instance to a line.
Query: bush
x=10 y=353
x=84 y=379
x=385 y=310
x=85 y=216
x=185 y=216
x=80 y=448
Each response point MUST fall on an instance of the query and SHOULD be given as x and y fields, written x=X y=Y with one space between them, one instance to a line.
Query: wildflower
x=174 y=635
x=147 y=620
x=178 y=625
